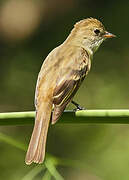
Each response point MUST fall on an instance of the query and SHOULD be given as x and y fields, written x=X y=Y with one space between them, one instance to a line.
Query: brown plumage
x=60 y=76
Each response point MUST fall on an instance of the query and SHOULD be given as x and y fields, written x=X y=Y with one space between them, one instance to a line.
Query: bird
x=61 y=75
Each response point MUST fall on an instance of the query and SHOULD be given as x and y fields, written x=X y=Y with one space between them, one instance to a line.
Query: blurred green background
x=29 y=30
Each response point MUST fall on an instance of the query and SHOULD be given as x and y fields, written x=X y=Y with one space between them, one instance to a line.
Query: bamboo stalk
x=118 y=116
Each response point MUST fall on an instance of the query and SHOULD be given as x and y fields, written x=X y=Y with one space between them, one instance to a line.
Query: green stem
x=33 y=172
x=49 y=163
x=47 y=176
x=7 y=139
x=84 y=116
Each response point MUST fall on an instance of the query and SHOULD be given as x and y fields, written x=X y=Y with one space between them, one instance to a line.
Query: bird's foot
x=78 y=107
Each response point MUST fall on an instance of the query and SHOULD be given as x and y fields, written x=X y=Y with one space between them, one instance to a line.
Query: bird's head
x=90 y=33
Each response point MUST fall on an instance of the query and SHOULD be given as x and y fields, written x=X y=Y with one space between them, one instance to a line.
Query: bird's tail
x=36 y=149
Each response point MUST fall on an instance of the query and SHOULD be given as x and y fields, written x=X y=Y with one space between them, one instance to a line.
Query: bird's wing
x=66 y=88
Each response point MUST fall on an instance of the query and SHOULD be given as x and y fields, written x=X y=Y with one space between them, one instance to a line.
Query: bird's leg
x=78 y=107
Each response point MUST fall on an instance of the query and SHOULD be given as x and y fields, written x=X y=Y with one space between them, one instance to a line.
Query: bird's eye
x=96 y=31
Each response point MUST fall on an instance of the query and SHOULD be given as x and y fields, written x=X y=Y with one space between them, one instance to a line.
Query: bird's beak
x=108 y=35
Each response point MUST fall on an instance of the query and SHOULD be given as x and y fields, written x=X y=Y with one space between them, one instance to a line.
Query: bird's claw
x=78 y=107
